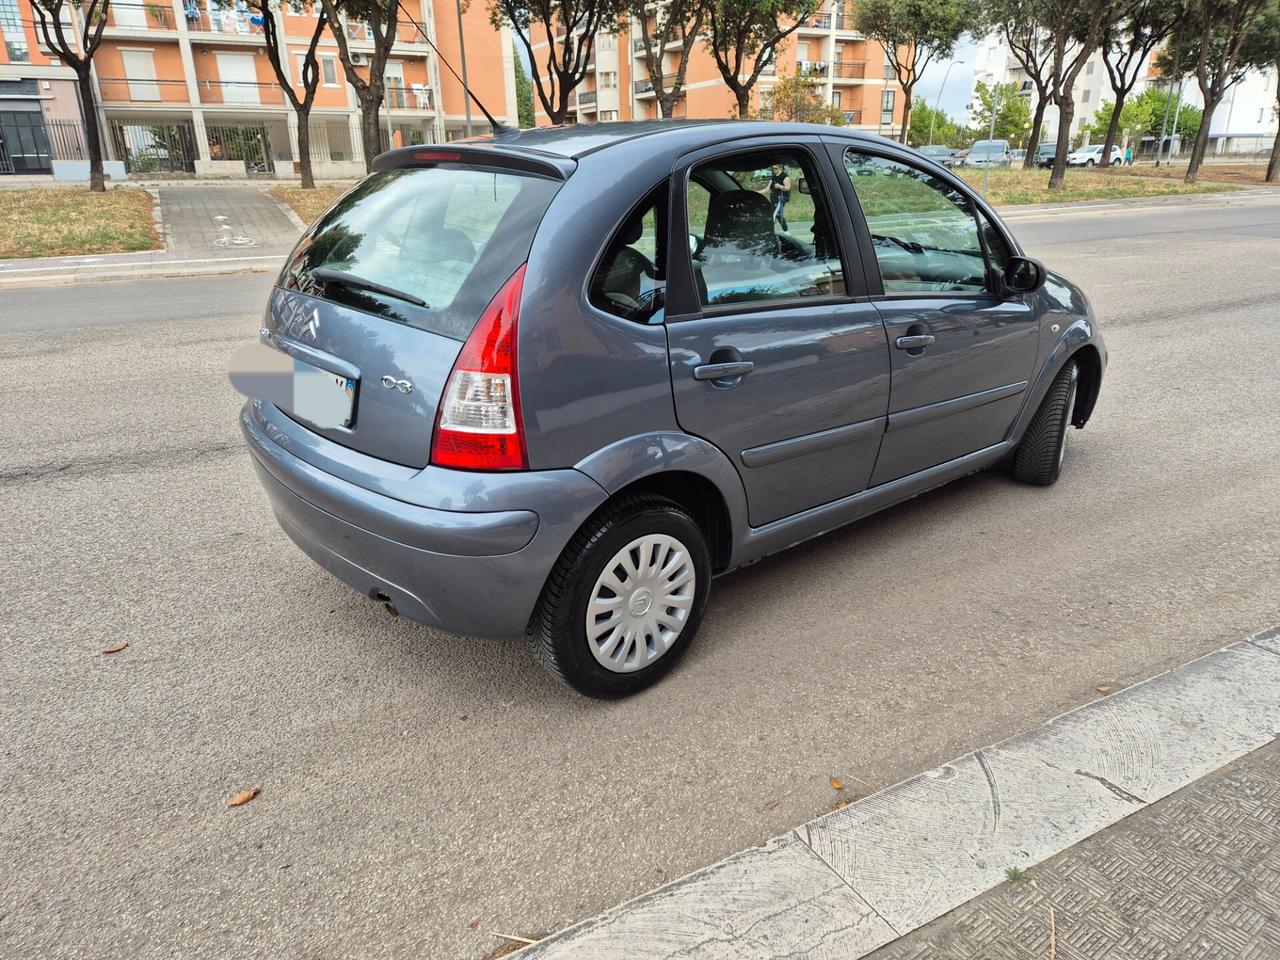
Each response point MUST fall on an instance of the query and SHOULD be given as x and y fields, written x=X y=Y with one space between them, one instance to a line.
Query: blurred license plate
x=324 y=398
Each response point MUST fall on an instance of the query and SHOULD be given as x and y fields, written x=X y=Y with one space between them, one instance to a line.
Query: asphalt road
x=412 y=781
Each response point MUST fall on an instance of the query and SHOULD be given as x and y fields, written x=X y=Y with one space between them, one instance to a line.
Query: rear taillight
x=478 y=426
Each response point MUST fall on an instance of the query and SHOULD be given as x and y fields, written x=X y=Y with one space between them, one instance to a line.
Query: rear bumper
x=475 y=573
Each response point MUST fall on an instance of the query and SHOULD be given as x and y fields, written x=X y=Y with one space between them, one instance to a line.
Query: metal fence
x=66 y=140
x=249 y=144
x=155 y=147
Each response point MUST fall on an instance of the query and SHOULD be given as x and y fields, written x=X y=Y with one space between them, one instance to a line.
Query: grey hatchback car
x=579 y=372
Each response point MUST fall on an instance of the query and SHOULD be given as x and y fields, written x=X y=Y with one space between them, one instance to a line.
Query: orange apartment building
x=852 y=71
x=186 y=87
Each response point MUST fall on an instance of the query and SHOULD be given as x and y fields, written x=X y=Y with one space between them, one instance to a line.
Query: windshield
x=424 y=246
x=984 y=147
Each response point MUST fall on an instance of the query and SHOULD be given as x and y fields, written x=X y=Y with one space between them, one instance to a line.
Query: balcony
x=645 y=86
x=853 y=116
x=849 y=69
x=240 y=93
x=128 y=90
x=819 y=21
x=845 y=23
x=637 y=44
x=228 y=22
x=811 y=68
x=416 y=96
x=587 y=98
x=125 y=18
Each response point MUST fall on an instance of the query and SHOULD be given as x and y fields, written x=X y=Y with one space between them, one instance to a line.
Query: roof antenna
x=498 y=128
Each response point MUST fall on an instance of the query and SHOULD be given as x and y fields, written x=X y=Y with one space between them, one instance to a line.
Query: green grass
x=1013 y=186
x=308 y=204
x=1015 y=874
x=68 y=220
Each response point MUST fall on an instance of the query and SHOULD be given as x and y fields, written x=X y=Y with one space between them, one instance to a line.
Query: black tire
x=559 y=634
x=1038 y=457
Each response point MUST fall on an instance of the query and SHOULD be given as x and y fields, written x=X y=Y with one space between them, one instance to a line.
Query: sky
x=958 y=90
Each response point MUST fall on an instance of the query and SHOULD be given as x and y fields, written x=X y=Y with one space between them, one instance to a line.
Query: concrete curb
x=854 y=880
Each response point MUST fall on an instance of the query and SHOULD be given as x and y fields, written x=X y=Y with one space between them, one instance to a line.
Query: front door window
x=923 y=229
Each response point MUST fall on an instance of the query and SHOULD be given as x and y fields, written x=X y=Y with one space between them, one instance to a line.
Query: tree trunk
x=1202 y=140
x=906 y=110
x=1066 y=113
x=369 y=133
x=1037 y=124
x=1112 y=129
x=1273 y=167
x=92 y=135
x=304 y=148
x=743 y=96
x=666 y=106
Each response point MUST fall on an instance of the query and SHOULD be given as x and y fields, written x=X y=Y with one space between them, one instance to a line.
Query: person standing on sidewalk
x=779 y=193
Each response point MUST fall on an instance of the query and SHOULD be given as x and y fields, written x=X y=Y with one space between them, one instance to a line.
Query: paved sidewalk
x=206 y=230
x=201 y=221
x=1196 y=875
x=1198 y=872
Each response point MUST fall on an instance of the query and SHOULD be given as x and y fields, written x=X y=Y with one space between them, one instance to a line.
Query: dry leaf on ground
x=770 y=805
x=836 y=784
x=243 y=797
x=1104 y=689
x=115 y=648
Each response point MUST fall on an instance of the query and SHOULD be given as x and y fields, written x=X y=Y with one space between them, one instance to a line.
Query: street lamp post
x=995 y=108
x=462 y=48
x=938 y=99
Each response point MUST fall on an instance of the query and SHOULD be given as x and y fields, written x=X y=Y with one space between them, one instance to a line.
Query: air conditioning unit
x=357 y=59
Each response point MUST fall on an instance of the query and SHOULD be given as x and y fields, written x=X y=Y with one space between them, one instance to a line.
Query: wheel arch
x=1077 y=342
x=686 y=469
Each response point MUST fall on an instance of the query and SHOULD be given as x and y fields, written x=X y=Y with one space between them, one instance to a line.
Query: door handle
x=723 y=371
x=915 y=342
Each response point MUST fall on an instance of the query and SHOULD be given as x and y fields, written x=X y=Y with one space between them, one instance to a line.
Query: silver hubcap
x=640 y=603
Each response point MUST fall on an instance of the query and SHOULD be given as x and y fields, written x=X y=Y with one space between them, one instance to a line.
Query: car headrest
x=633 y=232
x=740 y=218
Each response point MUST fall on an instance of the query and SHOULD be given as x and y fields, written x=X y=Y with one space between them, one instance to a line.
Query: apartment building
x=852 y=72
x=186 y=87
x=1244 y=123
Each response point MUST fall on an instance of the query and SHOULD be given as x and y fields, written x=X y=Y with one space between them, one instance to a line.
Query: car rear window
x=447 y=235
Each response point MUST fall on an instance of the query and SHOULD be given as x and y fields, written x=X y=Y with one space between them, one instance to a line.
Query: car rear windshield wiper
x=325 y=275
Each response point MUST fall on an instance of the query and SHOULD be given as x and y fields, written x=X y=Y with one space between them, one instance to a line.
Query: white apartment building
x=1244 y=123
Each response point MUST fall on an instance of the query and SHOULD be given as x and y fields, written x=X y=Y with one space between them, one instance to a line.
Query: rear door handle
x=915 y=342
x=723 y=371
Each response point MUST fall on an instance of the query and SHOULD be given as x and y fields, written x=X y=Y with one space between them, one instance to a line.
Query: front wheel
x=1088 y=163
x=625 y=599
x=1039 y=456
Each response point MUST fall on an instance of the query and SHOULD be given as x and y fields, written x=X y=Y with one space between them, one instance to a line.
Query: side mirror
x=1024 y=275
x=803 y=185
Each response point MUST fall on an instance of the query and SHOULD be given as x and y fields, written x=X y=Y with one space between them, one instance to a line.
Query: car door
x=961 y=353
x=776 y=355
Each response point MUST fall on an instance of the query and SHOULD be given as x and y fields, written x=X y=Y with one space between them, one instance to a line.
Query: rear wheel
x=1039 y=456
x=625 y=599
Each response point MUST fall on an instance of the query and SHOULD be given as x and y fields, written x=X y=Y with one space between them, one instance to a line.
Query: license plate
x=326 y=399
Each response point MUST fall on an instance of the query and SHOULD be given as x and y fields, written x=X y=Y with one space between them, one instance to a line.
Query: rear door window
x=432 y=244
x=760 y=230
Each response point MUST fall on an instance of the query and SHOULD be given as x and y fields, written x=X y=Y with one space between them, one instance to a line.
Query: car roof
x=577 y=140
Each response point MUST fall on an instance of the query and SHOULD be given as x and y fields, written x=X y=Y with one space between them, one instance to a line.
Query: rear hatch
x=383 y=290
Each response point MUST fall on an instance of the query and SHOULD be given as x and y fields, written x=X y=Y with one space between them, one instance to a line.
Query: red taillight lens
x=478 y=426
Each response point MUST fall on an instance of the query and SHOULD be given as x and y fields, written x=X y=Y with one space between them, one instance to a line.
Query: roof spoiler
x=483 y=154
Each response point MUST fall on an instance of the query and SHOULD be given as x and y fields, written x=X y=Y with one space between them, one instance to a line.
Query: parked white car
x=1091 y=156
